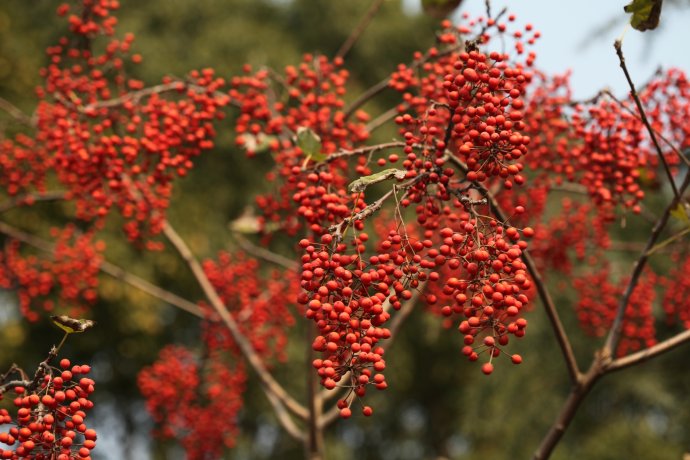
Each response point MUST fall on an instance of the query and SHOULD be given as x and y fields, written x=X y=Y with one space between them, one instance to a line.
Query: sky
x=566 y=26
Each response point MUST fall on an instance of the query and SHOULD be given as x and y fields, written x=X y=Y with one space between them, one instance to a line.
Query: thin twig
x=615 y=331
x=16 y=113
x=649 y=353
x=269 y=383
x=22 y=200
x=361 y=27
x=364 y=150
x=633 y=92
x=112 y=270
x=263 y=253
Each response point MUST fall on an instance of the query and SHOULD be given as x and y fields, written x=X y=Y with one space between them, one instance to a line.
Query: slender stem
x=615 y=331
x=364 y=150
x=265 y=254
x=649 y=353
x=15 y=113
x=21 y=200
x=633 y=92
x=269 y=383
x=361 y=27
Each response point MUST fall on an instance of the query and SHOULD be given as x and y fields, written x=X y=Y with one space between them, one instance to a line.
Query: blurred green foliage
x=437 y=405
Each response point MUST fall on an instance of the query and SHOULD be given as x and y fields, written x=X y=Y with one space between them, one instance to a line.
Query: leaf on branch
x=363 y=182
x=439 y=8
x=310 y=143
x=72 y=325
x=682 y=213
x=247 y=222
x=645 y=14
x=257 y=144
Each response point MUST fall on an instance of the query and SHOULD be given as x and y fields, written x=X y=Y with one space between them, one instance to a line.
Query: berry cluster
x=273 y=110
x=68 y=280
x=598 y=304
x=50 y=417
x=193 y=401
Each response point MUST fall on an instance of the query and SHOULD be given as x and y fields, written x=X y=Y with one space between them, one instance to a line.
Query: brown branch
x=615 y=331
x=633 y=92
x=361 y=27
x=379 y=121
x=112 y=270
x=268 y=382
x=578 y=393
x=363 y=150
x=22 y=200
x=649 y=353
x=265 y=254
x=16 y=113
x=544 y=295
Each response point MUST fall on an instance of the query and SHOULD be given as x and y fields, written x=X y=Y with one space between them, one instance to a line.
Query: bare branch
x=267 y=380
x=23 y=200
x=361 y=27
x=15 y=113
x=265 y=254
x=633 y=92
x=615 y=331
x=649 y=353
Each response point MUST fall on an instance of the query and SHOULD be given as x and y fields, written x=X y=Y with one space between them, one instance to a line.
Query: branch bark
x=269 y=383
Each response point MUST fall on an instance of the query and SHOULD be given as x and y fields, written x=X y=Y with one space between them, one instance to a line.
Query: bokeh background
x=437 y=405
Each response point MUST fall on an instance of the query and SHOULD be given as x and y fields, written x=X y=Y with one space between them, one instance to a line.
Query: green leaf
x=682 y=213
x=645 y=14
x=310 y=143
x=363 y=182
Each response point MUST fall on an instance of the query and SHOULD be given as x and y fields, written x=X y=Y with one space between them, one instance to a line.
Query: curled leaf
x=645 y=14
x=363 y=182
x=310 y=143
x=72 y=325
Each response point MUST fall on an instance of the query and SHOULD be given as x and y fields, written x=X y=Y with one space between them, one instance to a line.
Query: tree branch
x=633 y=92
x=267 y=380
x=615 y=331
x=361 y=27
x=112 y=270
x=15 y=113
x=649 y=353
x=28 y=198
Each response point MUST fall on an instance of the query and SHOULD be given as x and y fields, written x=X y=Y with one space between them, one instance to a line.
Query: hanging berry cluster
x=274 y=110
x=50 y=416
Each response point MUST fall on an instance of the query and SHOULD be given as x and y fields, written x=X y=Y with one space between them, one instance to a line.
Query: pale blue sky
x=566 y=25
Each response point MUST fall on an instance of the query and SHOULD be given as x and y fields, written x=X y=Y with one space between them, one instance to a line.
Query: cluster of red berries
x=192 y=399
x=69 y=279
x=258 y=302
x=313 y=95
x=110 y=143
x=599 y=301
x=50 y=419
